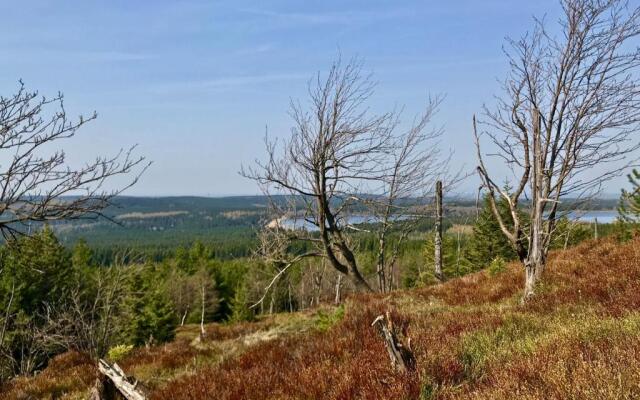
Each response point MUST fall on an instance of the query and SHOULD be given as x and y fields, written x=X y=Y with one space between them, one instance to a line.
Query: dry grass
x=578 y=339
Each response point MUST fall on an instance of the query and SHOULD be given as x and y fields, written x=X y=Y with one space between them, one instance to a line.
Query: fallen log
x=115 y=379
x=401 y=355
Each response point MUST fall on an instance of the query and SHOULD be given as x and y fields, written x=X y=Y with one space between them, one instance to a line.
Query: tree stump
x=112 y=381
x=400 y=354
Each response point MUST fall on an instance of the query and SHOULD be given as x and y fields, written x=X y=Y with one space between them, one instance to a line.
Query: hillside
x=578 y=339
x=158 y=225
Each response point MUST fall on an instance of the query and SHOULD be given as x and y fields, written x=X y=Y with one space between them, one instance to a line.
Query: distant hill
x=165 y=223
x=168 y=222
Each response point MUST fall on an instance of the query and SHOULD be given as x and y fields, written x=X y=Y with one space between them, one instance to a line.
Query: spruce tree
x=152 y=315
x=629 y=207
x=487 y=241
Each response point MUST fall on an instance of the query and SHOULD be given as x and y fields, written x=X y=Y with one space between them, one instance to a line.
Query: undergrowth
x=579 y=338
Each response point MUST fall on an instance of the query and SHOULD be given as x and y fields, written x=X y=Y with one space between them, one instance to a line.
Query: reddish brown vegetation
x=350 y=362
x=66 y=373
x=579 y=338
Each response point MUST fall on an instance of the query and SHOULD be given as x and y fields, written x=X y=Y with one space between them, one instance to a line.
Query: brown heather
x=578 y=339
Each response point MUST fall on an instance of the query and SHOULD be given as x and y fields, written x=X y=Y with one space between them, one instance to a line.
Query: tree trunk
x=535 y=262
x=202 y=331
x=533 y=272
x=338 y=298
x=272 y=303
x=380 y=267
x=391 y=279
x=184 y=316
x=438 y=236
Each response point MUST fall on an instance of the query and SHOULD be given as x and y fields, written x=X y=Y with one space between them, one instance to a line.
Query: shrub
x=119 y=352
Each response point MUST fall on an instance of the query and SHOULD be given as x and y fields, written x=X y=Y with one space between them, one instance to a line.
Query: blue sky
x=194 y=83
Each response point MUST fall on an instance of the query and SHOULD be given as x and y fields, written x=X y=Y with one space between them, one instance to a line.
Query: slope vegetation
x=578 y=339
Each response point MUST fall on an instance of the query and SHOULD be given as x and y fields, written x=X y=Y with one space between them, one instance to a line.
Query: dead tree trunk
x=401 y=355
x=438 y=235
x=338 y=299
x=202 y=331
x=115 y=378
x=184 y=316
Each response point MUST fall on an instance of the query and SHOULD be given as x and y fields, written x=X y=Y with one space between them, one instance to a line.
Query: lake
x=602 y=216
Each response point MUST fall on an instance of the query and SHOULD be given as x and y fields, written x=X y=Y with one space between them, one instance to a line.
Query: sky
x=195 y=83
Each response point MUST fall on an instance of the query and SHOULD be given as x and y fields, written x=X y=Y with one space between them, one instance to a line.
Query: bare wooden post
x=595 y=228
x=401 y=355
x=438 y=238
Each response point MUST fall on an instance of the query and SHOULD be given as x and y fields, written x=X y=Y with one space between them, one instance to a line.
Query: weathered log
x=117 y=377
x=401 y=355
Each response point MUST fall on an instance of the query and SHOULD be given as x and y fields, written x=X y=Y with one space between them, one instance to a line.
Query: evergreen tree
x=487 y=241
x=153 y=318
x=36 y=272
x=629 y=207
x=82 y=256
x=240 y=310
x=40 y=268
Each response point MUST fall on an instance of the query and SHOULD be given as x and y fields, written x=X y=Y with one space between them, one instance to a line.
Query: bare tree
x=571 y=108
x=415 y=162
x=37 y=185
x=337 y=151
x=333 y=150
x=87 y=318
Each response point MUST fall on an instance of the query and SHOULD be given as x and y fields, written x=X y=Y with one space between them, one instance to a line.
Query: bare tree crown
x=341 y=156
x=571 y=107
x=37 y=185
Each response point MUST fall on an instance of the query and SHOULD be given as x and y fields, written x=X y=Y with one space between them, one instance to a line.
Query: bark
x=533 y=272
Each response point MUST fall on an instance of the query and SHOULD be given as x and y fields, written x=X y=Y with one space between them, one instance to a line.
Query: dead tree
x=36 y=184
x=86 y=319
x=438 y=234
x=415 y=162
x=338 y=292
x=567 y=121
x=115 y=381
x=400 y=354
x=336 y=152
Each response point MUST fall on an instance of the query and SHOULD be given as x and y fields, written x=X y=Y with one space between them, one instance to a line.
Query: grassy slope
x=579 y=338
